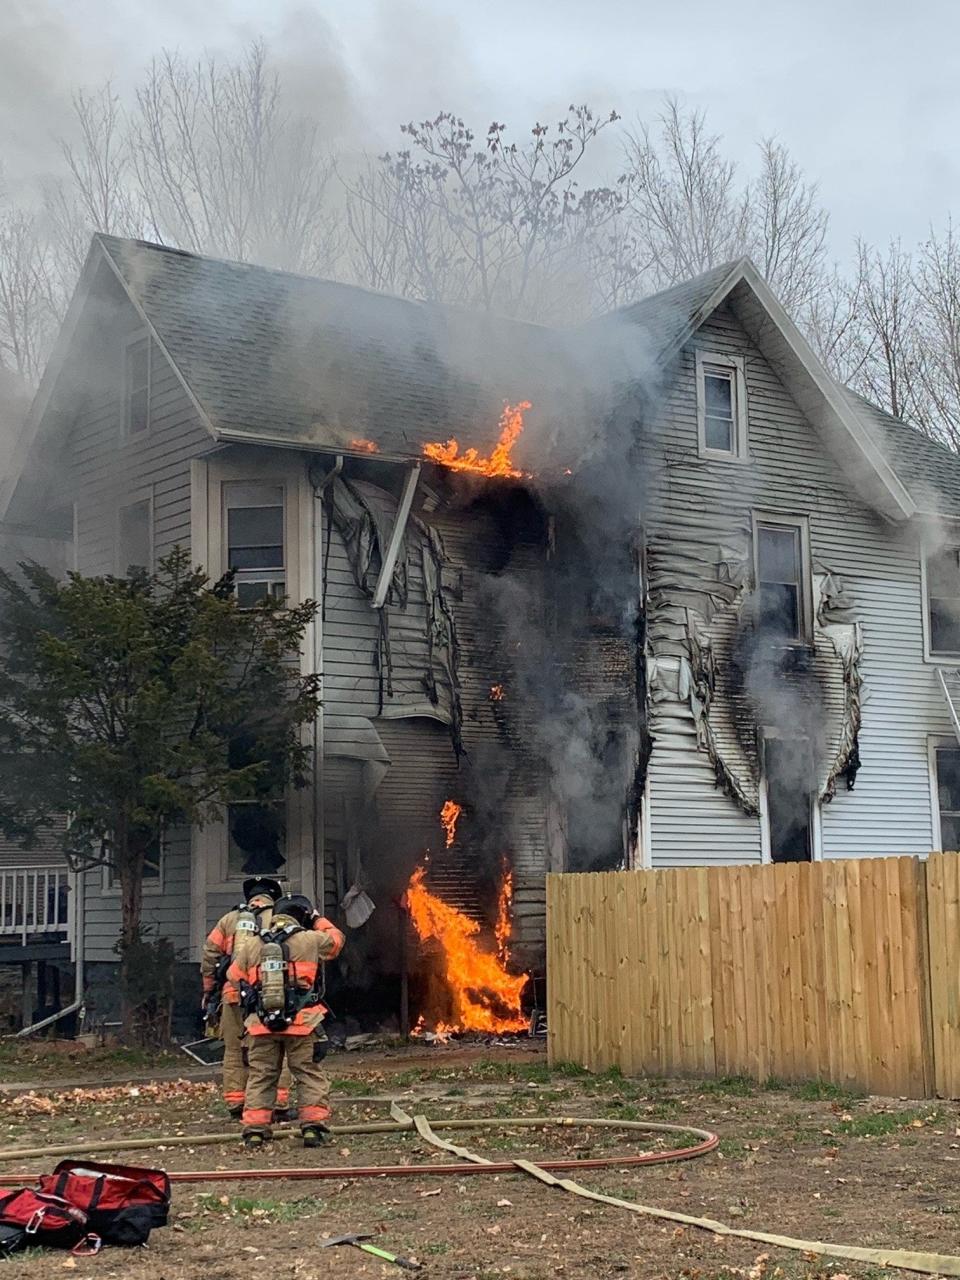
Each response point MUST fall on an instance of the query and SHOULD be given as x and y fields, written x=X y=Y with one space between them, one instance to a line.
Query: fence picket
x=848 y=971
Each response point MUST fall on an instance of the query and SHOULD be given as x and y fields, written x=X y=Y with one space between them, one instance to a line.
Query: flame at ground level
x=483 y=995
x=499 y=462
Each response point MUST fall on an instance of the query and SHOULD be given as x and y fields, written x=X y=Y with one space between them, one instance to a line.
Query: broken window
x=137 y=359
x=133 y=537
x=788 y=769
x=943 y=600
x=721 y=407
x=254 y=515
x=782 y=609
x=948 y=796
x=257 y=838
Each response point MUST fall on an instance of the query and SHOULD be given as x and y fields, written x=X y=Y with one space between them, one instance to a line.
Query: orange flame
x=499 y=462
x=449 y=817
x=503 y=928
x=441 y=1032
x=484 y=996
x=497 y=693
x=365 y=446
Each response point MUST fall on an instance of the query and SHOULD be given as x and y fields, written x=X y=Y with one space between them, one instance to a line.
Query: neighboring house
x=35 y=923
x=799 y=594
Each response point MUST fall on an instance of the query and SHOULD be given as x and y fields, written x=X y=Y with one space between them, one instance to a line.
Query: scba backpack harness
x=277 y=999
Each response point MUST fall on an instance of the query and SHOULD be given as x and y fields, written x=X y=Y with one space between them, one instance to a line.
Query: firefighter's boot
x=315 y=1135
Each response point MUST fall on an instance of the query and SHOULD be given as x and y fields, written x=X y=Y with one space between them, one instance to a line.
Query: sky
x=865 y=94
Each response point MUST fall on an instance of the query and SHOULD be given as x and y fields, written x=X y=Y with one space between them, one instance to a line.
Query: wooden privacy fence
x=846 y=971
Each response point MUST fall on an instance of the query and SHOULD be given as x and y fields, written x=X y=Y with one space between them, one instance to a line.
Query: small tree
x=121 y=701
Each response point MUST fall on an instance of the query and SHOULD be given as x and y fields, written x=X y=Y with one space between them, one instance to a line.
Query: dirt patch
x=815 y=1163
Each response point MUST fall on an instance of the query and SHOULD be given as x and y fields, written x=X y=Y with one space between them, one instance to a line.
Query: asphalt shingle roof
x=294 y=358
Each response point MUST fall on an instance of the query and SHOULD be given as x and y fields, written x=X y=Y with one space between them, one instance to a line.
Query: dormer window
x=136 y=385
x=721 y=407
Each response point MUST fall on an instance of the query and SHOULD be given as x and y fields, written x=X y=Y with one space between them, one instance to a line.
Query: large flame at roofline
x=499 y=463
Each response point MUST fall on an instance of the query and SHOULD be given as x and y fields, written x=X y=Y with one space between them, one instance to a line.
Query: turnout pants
x=235 y=1042
x=267 y=1055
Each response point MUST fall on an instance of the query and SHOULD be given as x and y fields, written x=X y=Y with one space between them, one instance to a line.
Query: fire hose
x=471 y=1163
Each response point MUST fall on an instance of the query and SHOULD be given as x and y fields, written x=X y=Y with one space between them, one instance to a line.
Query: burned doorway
x=788 y=802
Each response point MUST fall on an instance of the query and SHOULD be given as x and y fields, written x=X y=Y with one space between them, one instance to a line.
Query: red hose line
x=439 y=1170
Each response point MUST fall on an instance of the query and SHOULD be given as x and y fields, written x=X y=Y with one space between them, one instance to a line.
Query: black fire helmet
x=262 y=884
x=296 y=905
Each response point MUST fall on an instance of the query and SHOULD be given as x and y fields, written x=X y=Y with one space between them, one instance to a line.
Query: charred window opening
x=133 y=537
x=948 y=796
x=257 y=838
x=787 y=768
x=943 y=600
x=137 y=361
x=255 y=554
x=782 y=610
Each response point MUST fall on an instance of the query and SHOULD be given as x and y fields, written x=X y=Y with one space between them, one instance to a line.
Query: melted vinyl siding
x=424 y=770
x=105 y=472
x=790 y=472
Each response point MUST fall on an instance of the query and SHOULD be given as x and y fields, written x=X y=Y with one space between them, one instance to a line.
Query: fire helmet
x=262 y=884
x=296 y=905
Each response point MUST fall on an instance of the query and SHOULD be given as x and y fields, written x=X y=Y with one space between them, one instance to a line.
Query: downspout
x=319 y=487
x=79 y=944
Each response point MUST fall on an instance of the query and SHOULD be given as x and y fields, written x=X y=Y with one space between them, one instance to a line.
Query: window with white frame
x=946 y=761
x=152 y=869
x=782 y=558
x=721 y=406
x=138 y=358
x=942 y=581
x=254 y=539
x=134 y=541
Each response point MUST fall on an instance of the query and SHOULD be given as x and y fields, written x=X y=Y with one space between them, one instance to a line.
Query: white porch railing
x=34 y=900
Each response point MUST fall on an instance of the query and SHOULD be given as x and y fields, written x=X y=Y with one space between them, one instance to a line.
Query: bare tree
x=27 y=312
x=788 y=229
x=888 y=317
x=691 y=211
x=684 y=196
x=937 y=277
x=495 y=224
x=223 y=168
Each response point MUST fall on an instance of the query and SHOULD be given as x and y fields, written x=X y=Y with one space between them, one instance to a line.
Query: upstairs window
x=136 y=383
x=254 y=518
x=942 y=575
x=134 y=550
x=782 y=556
x=721 y=407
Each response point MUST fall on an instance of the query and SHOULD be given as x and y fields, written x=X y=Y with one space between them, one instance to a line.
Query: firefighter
x=254 y=914
x=277 y=975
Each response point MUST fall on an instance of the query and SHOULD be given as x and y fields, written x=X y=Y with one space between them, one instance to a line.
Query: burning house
x=649 y=592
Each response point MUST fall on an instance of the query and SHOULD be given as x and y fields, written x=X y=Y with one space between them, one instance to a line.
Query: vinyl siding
x=106 y=471
x=889 y=811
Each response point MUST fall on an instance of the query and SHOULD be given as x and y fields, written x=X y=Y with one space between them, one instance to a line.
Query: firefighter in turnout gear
x=277 y=975
x=254 y=914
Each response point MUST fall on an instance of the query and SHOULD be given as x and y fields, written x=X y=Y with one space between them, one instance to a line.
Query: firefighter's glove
x=320 y=1047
